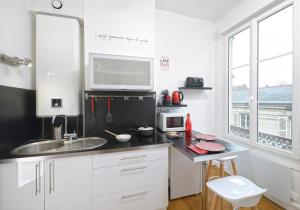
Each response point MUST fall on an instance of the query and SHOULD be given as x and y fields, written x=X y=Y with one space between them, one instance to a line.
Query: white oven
x=171 y=121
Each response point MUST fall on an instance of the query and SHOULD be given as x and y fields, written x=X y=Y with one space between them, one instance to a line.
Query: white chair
x=237 y=190
x=221 y=172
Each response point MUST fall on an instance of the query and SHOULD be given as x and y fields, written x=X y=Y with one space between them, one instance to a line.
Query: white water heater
x=57 y=66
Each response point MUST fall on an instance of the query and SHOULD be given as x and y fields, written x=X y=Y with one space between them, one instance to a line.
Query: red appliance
x=177 y=97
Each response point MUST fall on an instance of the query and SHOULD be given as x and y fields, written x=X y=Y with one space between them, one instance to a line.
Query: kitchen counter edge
x=83 y=153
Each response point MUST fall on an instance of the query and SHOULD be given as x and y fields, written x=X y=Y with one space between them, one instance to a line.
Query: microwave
x=167 y=121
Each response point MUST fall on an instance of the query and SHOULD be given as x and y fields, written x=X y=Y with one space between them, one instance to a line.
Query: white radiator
x=275 y=177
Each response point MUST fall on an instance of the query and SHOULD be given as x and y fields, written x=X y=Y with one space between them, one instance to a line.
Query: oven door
x=174 y=123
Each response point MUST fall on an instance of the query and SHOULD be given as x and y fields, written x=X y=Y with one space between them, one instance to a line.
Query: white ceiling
x=211 y=10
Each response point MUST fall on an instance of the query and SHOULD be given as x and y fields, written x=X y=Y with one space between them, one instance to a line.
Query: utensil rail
x=126 y=98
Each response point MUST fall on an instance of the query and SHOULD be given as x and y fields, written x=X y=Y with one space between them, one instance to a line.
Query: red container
x=188 y=125
x=177 y=97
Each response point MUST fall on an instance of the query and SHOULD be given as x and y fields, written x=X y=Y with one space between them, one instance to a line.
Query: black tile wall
x=18 y=122
x=74 y=124
x=127 y=114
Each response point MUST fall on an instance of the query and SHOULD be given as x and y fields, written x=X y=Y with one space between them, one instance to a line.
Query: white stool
x=221 y=172
x=237 y=190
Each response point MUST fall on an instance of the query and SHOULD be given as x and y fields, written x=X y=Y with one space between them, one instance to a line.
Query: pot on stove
x=144 y=131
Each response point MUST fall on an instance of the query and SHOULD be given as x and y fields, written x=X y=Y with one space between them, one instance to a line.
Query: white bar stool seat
x=237 y=190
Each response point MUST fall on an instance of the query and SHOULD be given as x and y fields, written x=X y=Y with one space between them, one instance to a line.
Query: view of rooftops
x=275 y=114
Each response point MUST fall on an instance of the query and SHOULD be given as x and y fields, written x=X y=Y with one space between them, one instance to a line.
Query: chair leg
x=233 y=167
x=205 y=194
x=222 y=174
x=213 y=202
x=208 y=170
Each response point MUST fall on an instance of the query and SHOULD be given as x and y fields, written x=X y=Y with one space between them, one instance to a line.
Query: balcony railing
x=264 y=138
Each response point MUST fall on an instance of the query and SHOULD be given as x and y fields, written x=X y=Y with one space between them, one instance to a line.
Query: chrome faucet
x=67 y=135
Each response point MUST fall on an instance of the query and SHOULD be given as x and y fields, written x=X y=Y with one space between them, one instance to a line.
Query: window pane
x=239 y=49
x=275 y=96
x=239 y=84
x=275 y=34
x=276 y=72
x=239 y=123
x=239 y=106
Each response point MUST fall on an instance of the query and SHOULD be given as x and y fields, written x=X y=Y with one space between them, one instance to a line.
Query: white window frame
x=228 y=82
x=252 y=141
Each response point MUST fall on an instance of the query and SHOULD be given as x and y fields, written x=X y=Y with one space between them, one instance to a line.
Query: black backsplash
x=126 y=114
x=75 y=124
x=18 y=122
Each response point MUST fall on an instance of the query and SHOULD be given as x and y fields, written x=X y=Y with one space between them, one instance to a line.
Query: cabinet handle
x=39 y=176
x=133 y=169
x=36 y=179
x=51 y=177
x=135 y=157
x=124 y=197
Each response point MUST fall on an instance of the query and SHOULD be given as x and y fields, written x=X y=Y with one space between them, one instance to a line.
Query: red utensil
x=93 y=117
x=210 y=146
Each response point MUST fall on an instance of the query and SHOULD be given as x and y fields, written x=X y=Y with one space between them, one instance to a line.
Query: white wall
x=239 y=15
x=242 y=12
x=189 y=44
x=132 y=19
x=17 y=38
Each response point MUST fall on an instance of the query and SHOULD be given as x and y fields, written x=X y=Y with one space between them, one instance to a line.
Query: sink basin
x=56 y=146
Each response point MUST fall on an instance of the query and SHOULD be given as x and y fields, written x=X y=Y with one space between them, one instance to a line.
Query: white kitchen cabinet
x=22 y=186
x=73 y=8
x=149 y=198
x=68 y=183
x=128 y=158
x=131 y=180
x=114 y=72
x=126 y=177
x=180 y=168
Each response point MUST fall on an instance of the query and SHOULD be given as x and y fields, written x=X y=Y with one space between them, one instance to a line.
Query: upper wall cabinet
x=115 y=72
x=73 y=8
x=117 y=27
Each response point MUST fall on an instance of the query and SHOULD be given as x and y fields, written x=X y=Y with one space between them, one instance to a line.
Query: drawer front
x=132 y=157
x=141 y=199
x=126 y=177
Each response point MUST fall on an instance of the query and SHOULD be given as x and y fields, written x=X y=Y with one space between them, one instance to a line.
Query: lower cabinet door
x=151 y=198
x=22 y=186
x=68 y=184
x=125 y=177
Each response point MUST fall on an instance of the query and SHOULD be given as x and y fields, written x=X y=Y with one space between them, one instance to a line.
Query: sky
x=275 y=47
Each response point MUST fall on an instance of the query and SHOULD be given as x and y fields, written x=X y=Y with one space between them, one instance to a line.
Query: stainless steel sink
x=56 y=146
